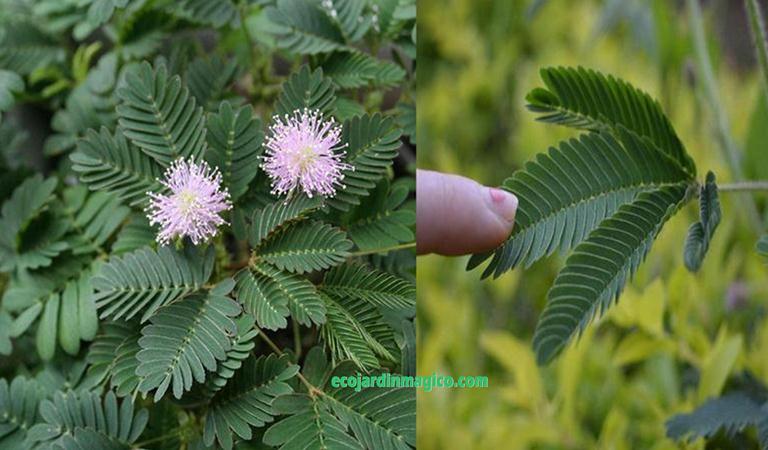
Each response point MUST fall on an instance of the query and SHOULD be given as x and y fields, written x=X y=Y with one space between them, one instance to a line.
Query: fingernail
x=503 y=204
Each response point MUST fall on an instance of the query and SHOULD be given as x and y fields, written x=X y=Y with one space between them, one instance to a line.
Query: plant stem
x=296 y=338
x=310 y=387
x=384 y=249
x=743 y=186
x=757 y=25
x=728 y=147
x=174 y=433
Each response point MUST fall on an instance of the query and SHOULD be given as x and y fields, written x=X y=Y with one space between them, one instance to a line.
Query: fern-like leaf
x=306 y=89
x=135 y=234
x=242 y=344
x=586 y=99
x=216 y=13
x=246 y=401
x=185 y=339
x=304 y=28
x=144 y=280
x=208 y=79
x=564 y=194
x=94 y=217
x=108 y=162
x=371 y=285
x=373 y=142
x=731 y=413
x=75 y=420
x=234 y=140
x=19 y=401
x=701 y=232
x=305 y=247
x=275 y=215
x=18 y=215
x=355 y=330
x=351 y=70
x=112 y=357
x=596 y=272
x=159 y=115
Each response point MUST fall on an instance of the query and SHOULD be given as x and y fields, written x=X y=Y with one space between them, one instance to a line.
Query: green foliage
x=306 y=89
x=729 y=413
x=323 y=420
x=185 y=339
x=159 y=116
x=606 y=196
x=108 y=162
x=385 y=220
x=96 y=316
x=373 y=143
x=144 y=280
x=701 y=232
x=73 y=421
x=247 y=399
x=234 y=140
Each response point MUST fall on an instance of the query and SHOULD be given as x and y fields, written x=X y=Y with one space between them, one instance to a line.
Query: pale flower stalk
x=304 y=153
x=192 y=206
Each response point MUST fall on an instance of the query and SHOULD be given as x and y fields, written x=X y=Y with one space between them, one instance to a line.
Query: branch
x=728 y=147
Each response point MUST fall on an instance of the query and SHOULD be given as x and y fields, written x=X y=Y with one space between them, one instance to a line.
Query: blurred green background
x=675 y=338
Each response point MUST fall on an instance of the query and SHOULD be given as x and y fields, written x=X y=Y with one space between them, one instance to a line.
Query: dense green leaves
x=144 y=280
x=701 y=232
x=77 y=420
x=274 y=215
x=28 y=237
x=159 y=115
x=19 y=401
x=374 y=286
x=350 y=70
x=108 y=162
x=595 y=274
x=306 y=89
x=247 y=399
x=186 y=339
x=373 y=142
x=305 y=28
x=234 y=140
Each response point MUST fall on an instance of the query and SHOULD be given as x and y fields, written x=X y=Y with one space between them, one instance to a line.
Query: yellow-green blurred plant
x=675 y=340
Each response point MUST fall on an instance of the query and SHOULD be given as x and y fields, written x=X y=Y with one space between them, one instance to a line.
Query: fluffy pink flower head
x=304 y=151
x=193 y=205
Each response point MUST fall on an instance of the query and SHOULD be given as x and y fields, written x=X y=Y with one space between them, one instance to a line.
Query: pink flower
x=304 y=152
x=192 y=208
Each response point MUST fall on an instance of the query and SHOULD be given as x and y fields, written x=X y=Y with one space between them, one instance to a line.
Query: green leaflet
x=19 y=402
x=371 y=285
x=373 y=142
x=306 y=89
x=73 y=420
x=159 y=116
x=700 y=233
x=597 y=270
x=144 y=280
x=246 y=401
x=588 y=100
x=731 y=412
x=274 y=215
x=26 y=208
x=108 y=162
x=185 y=339
x=304 y=247
x=355 y=330
x=564 y=194
x=234 y=140
x=304 y=29
x=342 y=417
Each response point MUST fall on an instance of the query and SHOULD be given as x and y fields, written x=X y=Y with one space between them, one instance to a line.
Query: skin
x=458 y=216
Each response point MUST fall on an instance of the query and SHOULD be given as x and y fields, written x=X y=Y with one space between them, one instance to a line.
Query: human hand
x=457 y=216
